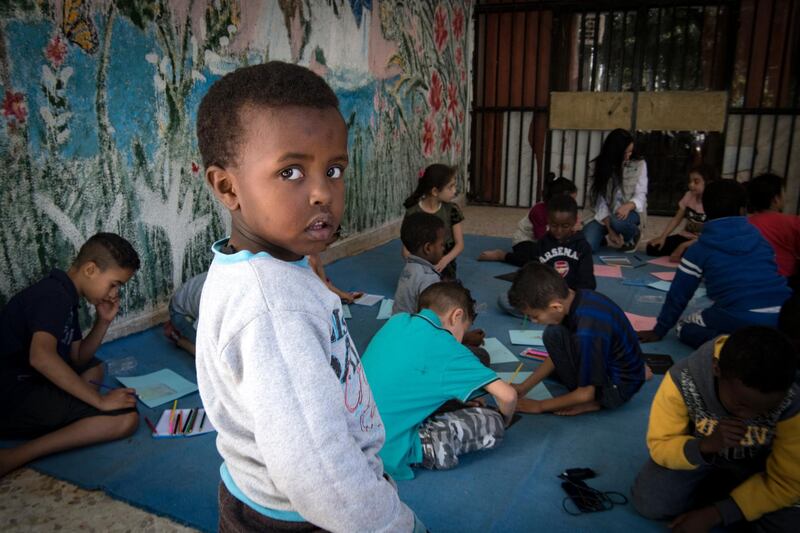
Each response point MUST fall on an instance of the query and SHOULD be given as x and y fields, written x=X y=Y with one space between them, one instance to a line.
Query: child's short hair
x=271 y=84
x=723 y=198
x=419 y=229
x=761 y=357
x=443 y=296
x=536 y=285
x=108 y=250
x=562 y=203
x=706 y=171
x=554 y=186
x=761 y=190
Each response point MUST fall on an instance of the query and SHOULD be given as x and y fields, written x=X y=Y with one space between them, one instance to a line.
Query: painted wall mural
x=99 y=101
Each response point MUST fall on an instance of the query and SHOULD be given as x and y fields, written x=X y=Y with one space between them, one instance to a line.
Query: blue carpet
x=512 y=488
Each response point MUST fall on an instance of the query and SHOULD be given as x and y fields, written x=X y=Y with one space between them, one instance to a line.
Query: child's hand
x=728 y=433
x=614 y=238
x=473 y=337
x=107 y=309
x=648 y=335
x=526 y=405
x=118 y=399
x=441 y=265
x=350 y=297
x=624 y=210
x=658 y=243
x=699 y=520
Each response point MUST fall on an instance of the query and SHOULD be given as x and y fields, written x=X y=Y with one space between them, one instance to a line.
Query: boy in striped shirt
x=591 y=344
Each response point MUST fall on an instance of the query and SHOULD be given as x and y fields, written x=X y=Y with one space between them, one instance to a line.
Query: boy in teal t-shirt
x=415 y=364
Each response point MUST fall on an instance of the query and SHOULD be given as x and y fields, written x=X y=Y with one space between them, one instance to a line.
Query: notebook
x=158 y=388
x=526 y=337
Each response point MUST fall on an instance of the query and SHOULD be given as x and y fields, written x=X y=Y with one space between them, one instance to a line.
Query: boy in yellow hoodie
x=724 y=437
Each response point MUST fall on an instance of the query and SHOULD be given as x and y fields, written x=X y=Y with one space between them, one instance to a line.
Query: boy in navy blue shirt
x=738 y=266
x=591 y=344
x=47 y=367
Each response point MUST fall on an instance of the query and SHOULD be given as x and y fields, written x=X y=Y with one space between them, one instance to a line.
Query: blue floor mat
x=512 y=488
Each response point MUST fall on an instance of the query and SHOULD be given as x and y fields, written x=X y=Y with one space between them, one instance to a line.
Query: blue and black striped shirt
x=607 y=343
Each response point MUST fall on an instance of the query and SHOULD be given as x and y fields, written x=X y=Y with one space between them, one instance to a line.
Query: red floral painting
x=446 y=135
x=428 y=141
x=440 y=28
x=14 y=108
x=56 y=51
x=435 y=92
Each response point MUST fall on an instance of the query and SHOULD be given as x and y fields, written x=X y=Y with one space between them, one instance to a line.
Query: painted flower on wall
x=458 y=23
x=440 y=28
x=459 y=55
x=428 y=141
x=14 y=108
x=452 y=99
x=435 y=92
x=56 y=51
x=446 y=135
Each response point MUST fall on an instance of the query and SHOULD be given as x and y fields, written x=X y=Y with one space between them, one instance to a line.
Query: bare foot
x=492 y=255
x=648 y=373
x=587 y=407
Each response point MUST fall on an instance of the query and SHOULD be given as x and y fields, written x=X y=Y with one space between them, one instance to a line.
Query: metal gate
x=743 y=47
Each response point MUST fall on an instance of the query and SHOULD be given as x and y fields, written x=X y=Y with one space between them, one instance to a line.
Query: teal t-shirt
x=413 y=366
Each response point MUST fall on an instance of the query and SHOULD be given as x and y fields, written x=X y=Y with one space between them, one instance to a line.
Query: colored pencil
x=150 y=424
x=186 y=422
x=177 y=424
x=202 y=419
x=515 y=374
x=192 y=420
x=172 y=413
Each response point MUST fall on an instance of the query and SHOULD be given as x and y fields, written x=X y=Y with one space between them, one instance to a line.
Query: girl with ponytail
x=435 y=191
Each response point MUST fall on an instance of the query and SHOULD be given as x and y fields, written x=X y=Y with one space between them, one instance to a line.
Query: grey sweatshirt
x=416 y=276
x=282 y=382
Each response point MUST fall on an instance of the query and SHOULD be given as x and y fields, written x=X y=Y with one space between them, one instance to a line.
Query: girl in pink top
x=690 y=208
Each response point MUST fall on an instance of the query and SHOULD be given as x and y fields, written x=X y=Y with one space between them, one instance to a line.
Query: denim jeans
x=594 y=231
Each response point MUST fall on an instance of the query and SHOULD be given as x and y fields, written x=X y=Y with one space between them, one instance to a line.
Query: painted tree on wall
x=99 y=118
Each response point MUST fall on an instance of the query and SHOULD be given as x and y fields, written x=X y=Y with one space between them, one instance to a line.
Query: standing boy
x=592 y=346
x=724 y=438
x=48 y=372
x=278 y=373
x=739 y=269
x=416 y=363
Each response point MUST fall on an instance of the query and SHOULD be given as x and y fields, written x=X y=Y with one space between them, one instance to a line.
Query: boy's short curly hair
x=108 y=250
x=271 y=84
x=443 y=296
x=762 y=358
x=418 y=229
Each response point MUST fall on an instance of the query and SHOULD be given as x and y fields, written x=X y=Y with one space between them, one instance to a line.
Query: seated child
x=436 y=189
x=690 y=208
x=414 y=364
x=533 y=227
x=48 y=373
x=724 y=438
x=739 y=269
x=591 y=344
x=184 y=310
x=563 y=248
x=422 y=234
x=279 y=375
x=765 y=202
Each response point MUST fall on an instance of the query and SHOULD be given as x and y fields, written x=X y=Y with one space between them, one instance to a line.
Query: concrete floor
x=30 y=501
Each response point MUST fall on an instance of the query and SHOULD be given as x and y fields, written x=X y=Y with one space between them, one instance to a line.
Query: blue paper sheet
x=661 y=285
x=159 y=387
x=526 y=337
x=539 y=392
x=498 y=352
x=385 y=312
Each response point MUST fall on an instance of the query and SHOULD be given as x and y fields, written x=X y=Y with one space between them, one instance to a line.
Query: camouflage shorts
x=446 y=436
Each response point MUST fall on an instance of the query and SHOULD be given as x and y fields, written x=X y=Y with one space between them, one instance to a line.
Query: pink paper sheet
x=664 y=262
x=607 y=271
x=641 y=323
x=666 y=276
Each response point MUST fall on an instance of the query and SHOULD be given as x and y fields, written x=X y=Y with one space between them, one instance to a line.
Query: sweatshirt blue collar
x=245 y=255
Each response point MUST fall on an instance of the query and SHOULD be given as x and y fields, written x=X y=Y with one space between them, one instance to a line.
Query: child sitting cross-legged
x=592 y=346
x=422 y=234
x=416 y=363
x=724 y=438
